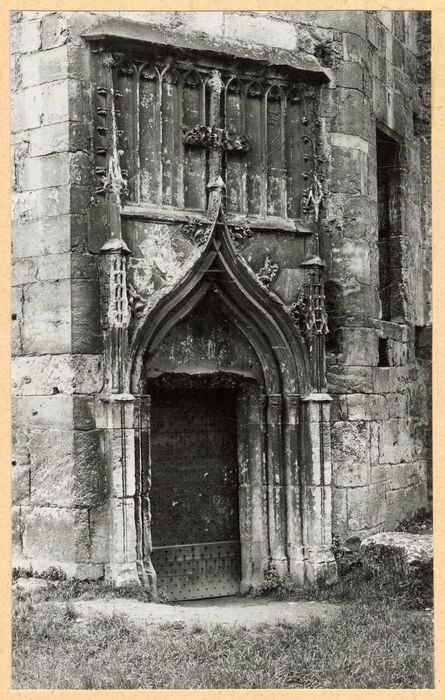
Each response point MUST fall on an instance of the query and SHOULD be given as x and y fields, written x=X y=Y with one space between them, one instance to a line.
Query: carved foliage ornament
x=299 y=310
x=197 y=231
x=268 y=272
x=240 y=232
x=315 y=197
x=212 y=137
x=136 y=302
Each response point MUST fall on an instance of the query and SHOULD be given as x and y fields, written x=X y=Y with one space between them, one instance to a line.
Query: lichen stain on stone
x=162 y=260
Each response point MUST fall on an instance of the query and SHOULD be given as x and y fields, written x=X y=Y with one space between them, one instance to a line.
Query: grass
x=356 y=585
x=370 y=645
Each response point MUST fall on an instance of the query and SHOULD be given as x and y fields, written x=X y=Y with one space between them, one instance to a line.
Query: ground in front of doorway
x=225 y=643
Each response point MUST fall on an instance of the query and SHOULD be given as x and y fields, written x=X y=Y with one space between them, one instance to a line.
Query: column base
x=124 y=574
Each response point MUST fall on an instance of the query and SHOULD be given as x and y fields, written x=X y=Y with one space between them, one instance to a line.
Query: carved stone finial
x=268 y=272
x=113 y=245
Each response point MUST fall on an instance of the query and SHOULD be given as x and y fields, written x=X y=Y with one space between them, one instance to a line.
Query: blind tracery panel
x=166 y=128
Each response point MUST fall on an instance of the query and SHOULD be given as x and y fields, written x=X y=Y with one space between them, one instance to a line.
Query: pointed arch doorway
x=219 y=340
x=199 y=380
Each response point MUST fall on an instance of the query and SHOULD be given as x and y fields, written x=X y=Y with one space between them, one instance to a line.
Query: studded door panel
x=194 y=492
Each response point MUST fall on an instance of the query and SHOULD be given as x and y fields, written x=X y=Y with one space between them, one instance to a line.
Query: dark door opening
x=194 y=491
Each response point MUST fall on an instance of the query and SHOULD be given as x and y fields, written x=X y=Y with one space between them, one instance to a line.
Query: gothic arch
x=259 y=313
x=279 y=441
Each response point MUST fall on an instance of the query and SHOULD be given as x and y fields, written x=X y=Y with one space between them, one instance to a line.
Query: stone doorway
x=194 y=487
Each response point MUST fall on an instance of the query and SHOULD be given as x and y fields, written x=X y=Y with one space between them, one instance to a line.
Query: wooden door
x=194 y=492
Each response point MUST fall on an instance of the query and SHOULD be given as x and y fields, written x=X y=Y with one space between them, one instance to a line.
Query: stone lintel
x=123 y=31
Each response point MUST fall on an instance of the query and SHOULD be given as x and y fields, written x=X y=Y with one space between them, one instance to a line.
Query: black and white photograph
x=221 y=349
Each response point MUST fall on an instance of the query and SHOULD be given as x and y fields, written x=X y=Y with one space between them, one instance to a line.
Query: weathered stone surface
x=359 y=347
x=367 y=507
x=350 y=453
x=56 y=533
x=86 y=330
x=43 y=237
x=31 y=585
x=67 y=468
x=345 y=380
x=404 y=503
x=17 y=530
x=41 y=204
x=395 y=441
x=339 y=511
x=54 y=30
x=99 y=533
x=393 y=379
x=351 y=258
x=397 y=405
x=258 y=29
x=45 y=171
x=21 y=491
x=47 y=317
x=25 y=36
x=380 y=454
x=40 y=105
x=44 y=67
x=367 y=407
x=49 y=267
x=207 y=22
x=351 y=22
x=56 y=374
x=349 y=169
x=406 y=474
x=397 y=553
x=36 y=412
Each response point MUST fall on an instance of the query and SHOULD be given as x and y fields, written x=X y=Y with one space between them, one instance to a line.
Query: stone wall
x=378 y=69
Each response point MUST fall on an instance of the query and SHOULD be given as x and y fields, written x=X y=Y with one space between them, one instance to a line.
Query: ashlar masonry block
x=60 y=534
x=367 y=506
x=47 y=317
x=350 y=453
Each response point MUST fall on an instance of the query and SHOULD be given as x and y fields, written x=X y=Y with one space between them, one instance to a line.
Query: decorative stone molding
x=268 y=272
x=299 y=311
x=203 y=136
x=136 y=302
x=197 y=231
x=315 y=197
x=115 y=311
x=216 y=189
x=316 y=319
x=214 y=138
x=240 y=232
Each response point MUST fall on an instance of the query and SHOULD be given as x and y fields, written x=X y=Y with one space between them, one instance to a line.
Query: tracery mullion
x=295 y=153
x=149 y=134
x=254 y=158
x=275 y=146
x=125 y=79
x=171 y=151
x=136 y=141
x=193 y=115
x=235 y=160
x=263 y=133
